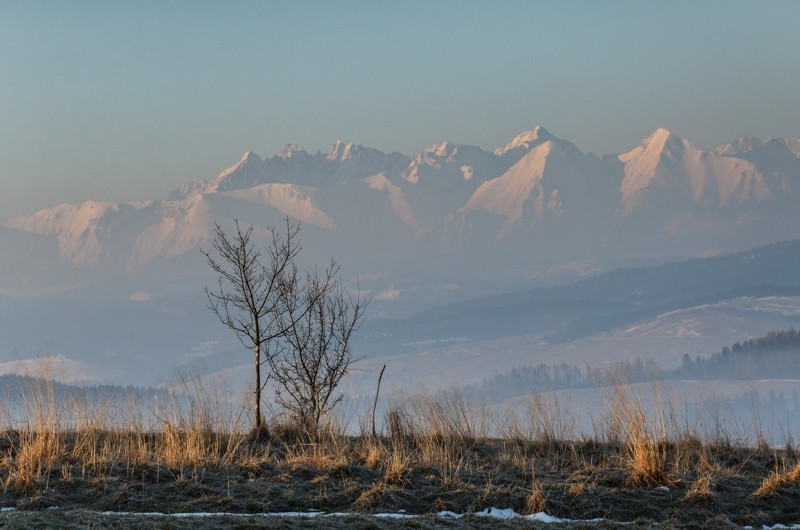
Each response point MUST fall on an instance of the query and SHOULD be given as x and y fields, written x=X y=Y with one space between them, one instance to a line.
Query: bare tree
x=316 y=352
x=252 y=287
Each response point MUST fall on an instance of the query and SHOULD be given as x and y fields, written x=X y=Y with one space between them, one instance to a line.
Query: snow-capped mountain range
x=539 y=194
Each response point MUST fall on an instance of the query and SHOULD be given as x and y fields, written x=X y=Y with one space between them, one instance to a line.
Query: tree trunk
x=258 y=389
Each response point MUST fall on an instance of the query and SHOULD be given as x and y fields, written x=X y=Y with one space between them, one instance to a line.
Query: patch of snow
x=495 y=513
x=394 y=516
x=508 y=513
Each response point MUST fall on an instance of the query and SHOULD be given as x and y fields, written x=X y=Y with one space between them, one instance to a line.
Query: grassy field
x=433 y=454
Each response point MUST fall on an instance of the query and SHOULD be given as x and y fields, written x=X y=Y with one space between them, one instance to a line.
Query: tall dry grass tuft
x=542 y=420
x=783 y=476
x=537 y=500
x=646 y=441
x=446 y=415
x=39 y=443
x=197 y=429
x=327 y=450
x=438 y=433
x=398 y=468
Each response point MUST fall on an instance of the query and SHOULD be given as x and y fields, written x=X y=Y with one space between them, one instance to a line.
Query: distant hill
x=606 y=301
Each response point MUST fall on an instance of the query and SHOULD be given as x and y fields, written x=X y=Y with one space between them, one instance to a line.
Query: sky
x=113 y=100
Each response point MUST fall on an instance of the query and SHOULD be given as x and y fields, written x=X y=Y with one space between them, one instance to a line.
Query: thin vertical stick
x=375 y=406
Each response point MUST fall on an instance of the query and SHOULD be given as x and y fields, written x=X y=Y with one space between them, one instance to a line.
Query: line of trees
x=15 y=386
x=297 y=324
x=776 y=355
x=526 y=379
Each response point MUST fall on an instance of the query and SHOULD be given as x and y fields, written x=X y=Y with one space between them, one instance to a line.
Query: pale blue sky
x=126 y=100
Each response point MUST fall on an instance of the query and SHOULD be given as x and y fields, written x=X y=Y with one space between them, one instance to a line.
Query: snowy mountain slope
x=554 y=197
x=397 y=200
x=793 y=144
x=177 y=227
x=773 y=158
x=551 y=178
x=83 y=231
x=680 y=170
x=524 y=142
x=440 y=179
x=738 y=147
x=298 y=202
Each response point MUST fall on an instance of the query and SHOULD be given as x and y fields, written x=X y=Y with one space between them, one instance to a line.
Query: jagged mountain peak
x=350 y=151
x=250 y=156
x=338 y=149
x=666 y=141
x=660 y=145
x=289 y=151
x=443 y=148
x=247 y=169
x=445 y=160
x=667 y=162
x=744 y=144
x=527 y=140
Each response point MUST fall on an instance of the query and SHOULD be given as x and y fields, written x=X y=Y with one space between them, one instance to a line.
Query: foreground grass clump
x=434 y=453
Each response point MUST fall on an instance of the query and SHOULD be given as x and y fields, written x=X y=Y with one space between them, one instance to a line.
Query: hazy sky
x=126 y=100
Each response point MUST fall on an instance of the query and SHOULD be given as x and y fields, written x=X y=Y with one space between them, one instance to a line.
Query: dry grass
x=783 y=476
x=434 y=453
x=647 y=458
x=702 y=490
x=537 y=500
